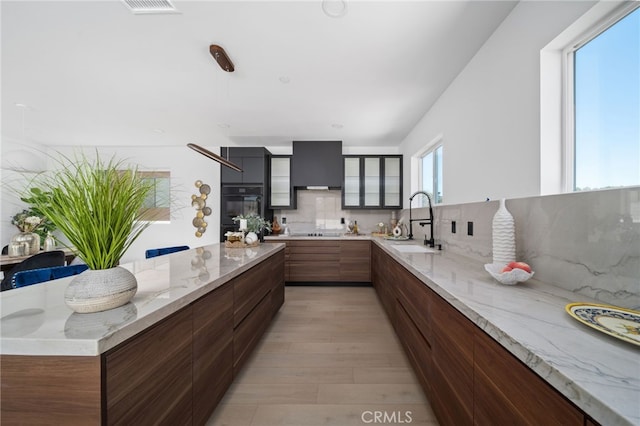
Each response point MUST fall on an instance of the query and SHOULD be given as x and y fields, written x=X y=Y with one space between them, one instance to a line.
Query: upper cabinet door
x=392 y=182
x=372 y=182
x=281 y=189
x=351 y=185
x=252 y=161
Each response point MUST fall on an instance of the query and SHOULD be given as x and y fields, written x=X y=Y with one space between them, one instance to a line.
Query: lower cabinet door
x=148 y=379
x=508 y=392
x=248 y=333
x=416 y=347
x=212 y=351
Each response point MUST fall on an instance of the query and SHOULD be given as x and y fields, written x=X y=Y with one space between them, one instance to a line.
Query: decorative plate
x=617 y=322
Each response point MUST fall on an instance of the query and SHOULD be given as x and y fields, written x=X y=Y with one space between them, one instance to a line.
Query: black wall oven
x=239 y=200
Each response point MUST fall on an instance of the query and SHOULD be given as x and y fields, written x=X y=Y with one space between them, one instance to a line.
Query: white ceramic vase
x=101 y=289
x=504 y=235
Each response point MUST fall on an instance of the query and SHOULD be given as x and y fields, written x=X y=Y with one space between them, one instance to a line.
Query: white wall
x=186 y=166
x=20 y=161
x=490 y=115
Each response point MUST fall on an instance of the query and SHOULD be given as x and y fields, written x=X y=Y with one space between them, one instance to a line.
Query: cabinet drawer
x=417 y=348
x=247 y=335
x=248 y=289
x=506 y=389
x=415 y=298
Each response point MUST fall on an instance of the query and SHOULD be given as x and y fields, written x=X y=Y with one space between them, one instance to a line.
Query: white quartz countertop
x=35 y=320
x=597 y=372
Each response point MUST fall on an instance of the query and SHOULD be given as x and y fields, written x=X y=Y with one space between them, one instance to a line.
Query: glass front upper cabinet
x=281 y=191
x=372 y=182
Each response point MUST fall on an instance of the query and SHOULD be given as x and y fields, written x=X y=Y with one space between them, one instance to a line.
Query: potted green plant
x=98 y=206
x=255 y=223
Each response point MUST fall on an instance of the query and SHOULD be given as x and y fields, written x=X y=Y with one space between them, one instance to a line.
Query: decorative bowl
x=512 y=277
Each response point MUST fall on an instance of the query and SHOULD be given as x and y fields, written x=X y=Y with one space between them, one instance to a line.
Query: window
x=158 y=200
x=431 y=173
x=603 y=139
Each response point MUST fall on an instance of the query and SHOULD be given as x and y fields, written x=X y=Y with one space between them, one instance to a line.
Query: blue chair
x=164 y=250
x=36 y=276
x=45 y=259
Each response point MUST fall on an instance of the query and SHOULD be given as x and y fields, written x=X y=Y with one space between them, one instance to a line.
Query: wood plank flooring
x=330 y=357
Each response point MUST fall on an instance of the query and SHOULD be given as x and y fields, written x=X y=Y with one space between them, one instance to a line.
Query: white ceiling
x=93 y=73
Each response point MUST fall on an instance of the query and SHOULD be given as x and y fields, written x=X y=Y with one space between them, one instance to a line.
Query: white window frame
x=431 y=147
x=568 y=122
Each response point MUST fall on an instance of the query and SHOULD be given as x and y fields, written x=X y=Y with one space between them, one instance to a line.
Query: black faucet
x=422 y=222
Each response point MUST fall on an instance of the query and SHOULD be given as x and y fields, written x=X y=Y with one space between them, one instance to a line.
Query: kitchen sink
x=412 y=248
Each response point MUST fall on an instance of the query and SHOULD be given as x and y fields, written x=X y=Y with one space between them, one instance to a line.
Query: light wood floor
x=330 y=357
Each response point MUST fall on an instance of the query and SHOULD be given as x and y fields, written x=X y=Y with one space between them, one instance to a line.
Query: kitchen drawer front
x=415 y=297
x=313 y=271
x=506 y=389
x=247 y=335
x=416 y=347
x=249 y=288
x=355 y=261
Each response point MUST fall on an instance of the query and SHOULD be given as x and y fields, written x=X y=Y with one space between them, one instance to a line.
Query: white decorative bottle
x=504 y=235
x=49 y=242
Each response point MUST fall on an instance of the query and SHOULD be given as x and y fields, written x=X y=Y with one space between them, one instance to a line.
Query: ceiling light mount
x=334 y=8
x=221 y=58
x=214 y=157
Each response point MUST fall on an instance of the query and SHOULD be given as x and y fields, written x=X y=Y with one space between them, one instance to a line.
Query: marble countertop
x=598 y=373
x=36 y=321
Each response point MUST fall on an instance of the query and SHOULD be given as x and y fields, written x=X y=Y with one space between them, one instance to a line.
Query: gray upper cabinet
x=254 y=162
x=372 y=182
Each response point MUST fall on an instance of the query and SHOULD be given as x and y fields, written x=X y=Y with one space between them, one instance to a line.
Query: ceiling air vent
x=150 y=6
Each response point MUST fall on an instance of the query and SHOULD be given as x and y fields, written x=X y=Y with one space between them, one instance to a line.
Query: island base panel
x=45 y=390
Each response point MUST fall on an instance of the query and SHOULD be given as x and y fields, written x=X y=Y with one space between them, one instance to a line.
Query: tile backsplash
x=584 y=242
x=321 y=211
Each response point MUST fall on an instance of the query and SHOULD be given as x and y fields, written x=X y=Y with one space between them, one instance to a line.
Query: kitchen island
x=169 y=354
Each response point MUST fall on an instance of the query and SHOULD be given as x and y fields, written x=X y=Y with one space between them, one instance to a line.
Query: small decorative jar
x=30 y=240
x=49 y=242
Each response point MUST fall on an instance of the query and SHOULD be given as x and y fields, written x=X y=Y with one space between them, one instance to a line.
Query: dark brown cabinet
x=507 y=392
x=139 y=372
x=258 y=294
x=452 y=361
x=313 y=261
x=327 y=260
x=355 y=261
x=468 y=377
x=173 y=373
x=212 y=351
